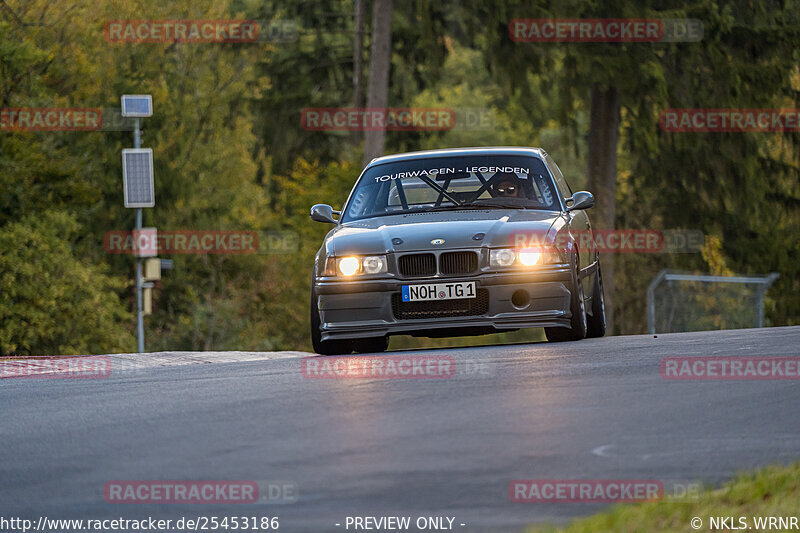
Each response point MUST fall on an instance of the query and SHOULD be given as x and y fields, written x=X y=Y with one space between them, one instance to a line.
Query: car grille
x=458 y=262
x=440 y=309
x=450 y=264
x=417 y=265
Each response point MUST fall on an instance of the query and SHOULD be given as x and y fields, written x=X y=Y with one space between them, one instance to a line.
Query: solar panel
x=137 y=177
x=137 y=105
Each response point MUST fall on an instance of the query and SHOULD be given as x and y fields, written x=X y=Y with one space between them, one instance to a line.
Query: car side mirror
x=581 y=200
x=323 y=213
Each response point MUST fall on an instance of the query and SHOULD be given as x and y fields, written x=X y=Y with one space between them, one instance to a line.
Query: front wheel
x=596 y=324
x=320 y=346
x=577 y=306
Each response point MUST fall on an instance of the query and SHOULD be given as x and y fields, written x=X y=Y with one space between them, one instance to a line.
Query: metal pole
x=762 y=289
x=139 y=315
x=760 y=307
x=651 y=301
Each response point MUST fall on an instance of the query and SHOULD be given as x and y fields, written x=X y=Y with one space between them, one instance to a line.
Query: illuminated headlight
x=526 y=257
x=356 y=265
x=348 y=266
x=529 y=256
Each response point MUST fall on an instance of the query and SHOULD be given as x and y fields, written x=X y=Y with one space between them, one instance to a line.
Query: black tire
x=324 y=347
x=577 y=306
x=371 y=345
x=596 y=322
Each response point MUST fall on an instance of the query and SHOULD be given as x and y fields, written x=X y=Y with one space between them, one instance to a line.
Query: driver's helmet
x=507 y=185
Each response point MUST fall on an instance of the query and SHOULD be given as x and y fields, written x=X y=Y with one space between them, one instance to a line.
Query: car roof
x=493 y=150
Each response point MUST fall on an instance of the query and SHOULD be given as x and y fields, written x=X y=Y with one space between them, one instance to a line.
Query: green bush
x=52 y=302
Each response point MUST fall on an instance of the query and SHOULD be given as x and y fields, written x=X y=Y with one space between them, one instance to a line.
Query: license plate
x=439 y=291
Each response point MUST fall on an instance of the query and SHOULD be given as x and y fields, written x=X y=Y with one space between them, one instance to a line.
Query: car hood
x=456 y=228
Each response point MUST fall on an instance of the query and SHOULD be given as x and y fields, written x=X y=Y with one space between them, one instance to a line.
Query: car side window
x=542 y=191
x=363 y=202
x=563 y=187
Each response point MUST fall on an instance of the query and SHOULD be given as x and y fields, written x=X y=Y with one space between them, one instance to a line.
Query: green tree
x=52 y=302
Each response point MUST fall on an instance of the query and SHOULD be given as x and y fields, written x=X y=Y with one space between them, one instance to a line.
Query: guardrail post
x=651 y=301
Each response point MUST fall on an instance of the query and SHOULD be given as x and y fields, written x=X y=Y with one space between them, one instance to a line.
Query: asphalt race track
x=594 y=409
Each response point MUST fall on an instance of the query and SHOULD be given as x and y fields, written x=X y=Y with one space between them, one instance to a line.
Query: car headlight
x=374 y=264
x=348 y=266
x=526 y=257
x=502 y=258
x=353 y=265
x=529 y=256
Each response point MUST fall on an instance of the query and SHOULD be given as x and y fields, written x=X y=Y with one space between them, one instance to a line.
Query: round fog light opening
x=520 y=299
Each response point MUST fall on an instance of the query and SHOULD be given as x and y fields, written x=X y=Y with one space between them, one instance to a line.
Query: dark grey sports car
x=455 y=242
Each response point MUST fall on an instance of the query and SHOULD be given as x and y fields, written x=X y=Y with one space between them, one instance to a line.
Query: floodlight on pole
x=137 y=105
x=137 y=178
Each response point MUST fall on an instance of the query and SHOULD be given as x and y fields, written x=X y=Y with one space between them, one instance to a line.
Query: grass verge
x=771 y=491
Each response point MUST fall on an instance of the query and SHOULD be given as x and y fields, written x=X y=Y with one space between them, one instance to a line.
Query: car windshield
x=453 y=183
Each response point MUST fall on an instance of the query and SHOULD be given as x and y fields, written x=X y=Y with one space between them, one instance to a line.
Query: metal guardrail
x=763 y=282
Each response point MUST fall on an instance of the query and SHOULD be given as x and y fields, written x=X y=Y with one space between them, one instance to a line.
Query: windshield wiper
x=495 y=202
x=471 y=206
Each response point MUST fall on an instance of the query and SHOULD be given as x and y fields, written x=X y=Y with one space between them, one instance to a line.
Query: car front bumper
x=351 y=309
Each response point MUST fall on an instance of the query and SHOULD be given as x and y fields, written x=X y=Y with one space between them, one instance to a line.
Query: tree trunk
x=380 y=60
x=602 y=179
x=358 y=59
x=358 y=51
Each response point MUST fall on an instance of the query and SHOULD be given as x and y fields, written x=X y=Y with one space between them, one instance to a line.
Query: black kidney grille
x=442 y=308
x=458 y=262
x=417 y=265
